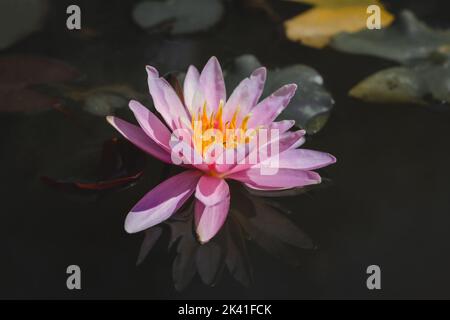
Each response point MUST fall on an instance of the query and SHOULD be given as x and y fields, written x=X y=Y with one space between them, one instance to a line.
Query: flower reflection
x=252 y=218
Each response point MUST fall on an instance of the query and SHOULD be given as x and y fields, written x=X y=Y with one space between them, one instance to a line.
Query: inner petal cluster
x=211 y=129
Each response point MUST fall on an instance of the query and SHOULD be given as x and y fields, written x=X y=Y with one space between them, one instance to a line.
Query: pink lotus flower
x=204 y=101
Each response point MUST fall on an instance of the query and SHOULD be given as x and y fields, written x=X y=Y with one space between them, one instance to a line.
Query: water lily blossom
x=236 y=123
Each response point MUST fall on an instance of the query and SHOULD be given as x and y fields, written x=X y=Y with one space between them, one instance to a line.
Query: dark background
x=389 y=203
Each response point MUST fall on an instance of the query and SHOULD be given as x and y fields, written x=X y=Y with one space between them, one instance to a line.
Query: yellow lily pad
x=317 y=26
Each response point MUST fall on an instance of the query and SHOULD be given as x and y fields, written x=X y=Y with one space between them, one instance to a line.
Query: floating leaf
x=311 y=105
x=411 y=84
x=19 y=19
x=406 y=40
x=121 y=165
x=100 y=101
x=397 y=85
x=20 y=74
x=180 y=16
x=317 y=26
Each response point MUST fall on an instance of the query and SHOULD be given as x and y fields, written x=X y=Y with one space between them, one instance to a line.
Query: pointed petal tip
x=192 y=68
x=203 y=239
x=133 y=104
x=292 y=88
x=315 y=177
x=209 y=220
x=300 y=133
x=213 y=59
x=110 y=120
x=333 y=159
x=129 y=226
x=152 y=71
x=260 y=72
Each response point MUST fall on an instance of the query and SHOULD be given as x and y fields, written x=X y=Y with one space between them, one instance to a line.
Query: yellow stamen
x=201 y=122
x=245 y=122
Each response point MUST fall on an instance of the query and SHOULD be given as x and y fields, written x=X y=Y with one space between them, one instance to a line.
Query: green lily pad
x=429 y=80
x=405 y=41
x=311 y=105
x=19 y=19
x=181 y=16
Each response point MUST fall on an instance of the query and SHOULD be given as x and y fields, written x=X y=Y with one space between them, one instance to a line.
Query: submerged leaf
x=121 y=165
x=19 y=19
x=20 y=74
x=406 y=40
x=181 y=16
x=317 y=26
x=311 y=105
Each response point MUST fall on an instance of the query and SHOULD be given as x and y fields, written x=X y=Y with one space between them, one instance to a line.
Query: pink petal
x=269 y=109
x=151 y=125
x=190 y=86
x=286 y=141
x=139 y=138
x=283 y=179
x=162 y=201
x=211 y=190
x=305 y=159
x=212 y=84
x=209 y=219
x=246 y=95
x=282 y=126
x=165 y=99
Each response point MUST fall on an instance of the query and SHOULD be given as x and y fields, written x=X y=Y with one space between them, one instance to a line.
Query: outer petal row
x=162 y=201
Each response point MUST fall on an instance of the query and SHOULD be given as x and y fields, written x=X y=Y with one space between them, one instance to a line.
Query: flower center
x=210 y=130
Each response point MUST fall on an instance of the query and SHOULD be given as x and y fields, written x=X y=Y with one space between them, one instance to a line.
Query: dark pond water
x=387 y=204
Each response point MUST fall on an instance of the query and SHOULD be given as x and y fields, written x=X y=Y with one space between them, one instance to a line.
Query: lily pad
x=317 y=26
x=20 y=74
x=121 y=165
x=311 y=105
x=179 y=16
x=19 y=19
x=100 y=101
x=410 y=84
x=405 y=41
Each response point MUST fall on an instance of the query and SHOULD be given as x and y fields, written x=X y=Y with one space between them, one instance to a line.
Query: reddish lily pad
x=20 y=74
x=121 y=165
